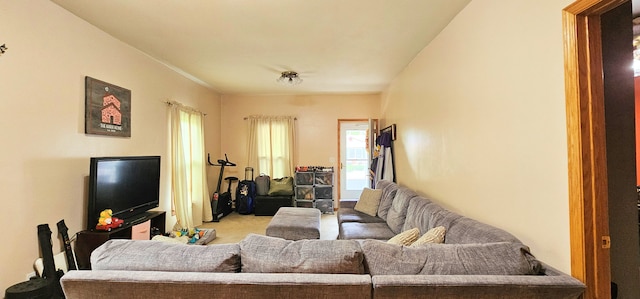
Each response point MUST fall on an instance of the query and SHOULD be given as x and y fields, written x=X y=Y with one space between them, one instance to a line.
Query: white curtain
x=188 y=167
x=271 y=145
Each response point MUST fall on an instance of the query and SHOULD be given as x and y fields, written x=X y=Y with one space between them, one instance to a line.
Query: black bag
x=246 y=193
x=262 y=184
x=245 y=197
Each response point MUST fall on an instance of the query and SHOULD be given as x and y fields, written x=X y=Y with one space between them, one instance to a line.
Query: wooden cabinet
x=141 y=228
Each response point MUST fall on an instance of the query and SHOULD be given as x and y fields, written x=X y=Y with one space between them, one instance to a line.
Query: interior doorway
x=593 y=172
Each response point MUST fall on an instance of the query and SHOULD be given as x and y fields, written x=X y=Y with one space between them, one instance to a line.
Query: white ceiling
x=242 y=46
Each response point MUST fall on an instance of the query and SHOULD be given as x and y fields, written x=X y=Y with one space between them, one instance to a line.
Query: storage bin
x=304 y=192
x=323 y=178
x=304 y=203
x=304 y=178
x=325 y=206
x=323 y=192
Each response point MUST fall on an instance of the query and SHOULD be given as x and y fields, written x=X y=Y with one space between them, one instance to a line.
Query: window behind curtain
x=271 y=143
x=190 y=192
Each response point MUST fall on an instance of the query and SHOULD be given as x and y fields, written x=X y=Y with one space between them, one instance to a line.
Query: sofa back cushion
x=502 y=258
x=144 y=255
x=416 y=215
x=398 y=211
x=465 y=230
x=389 y=190
x=263 y=254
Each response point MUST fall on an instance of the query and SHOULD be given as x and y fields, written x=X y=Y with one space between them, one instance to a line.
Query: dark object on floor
x=221 y=204
x=269 y=205
x=246 y=193
x=614 y=290
x=34 y=288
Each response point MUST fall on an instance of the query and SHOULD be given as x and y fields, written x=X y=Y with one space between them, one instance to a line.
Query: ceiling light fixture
x=289 y=78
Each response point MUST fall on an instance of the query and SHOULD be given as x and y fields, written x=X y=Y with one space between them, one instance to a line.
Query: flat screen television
x=129 y=186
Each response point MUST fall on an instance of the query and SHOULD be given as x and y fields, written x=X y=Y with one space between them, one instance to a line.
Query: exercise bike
x=221 y=204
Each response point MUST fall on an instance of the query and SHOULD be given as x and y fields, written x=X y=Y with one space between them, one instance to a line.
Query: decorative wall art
x=107 y=109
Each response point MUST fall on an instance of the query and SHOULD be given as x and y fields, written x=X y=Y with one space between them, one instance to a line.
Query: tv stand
x=88 y=240
x=137 y=219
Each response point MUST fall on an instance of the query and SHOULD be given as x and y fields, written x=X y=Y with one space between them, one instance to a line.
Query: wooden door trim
x=584 y=88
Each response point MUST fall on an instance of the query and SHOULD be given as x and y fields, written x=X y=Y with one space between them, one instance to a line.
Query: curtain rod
x=171 y=103
x=245 y=118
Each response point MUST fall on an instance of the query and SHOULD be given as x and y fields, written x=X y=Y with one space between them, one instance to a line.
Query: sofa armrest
x=108 y=284
x=476 y=286
x=348 y=203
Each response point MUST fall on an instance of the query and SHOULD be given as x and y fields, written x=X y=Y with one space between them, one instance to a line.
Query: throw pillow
x=406 y=237
x=369 y=201
x=434 y=235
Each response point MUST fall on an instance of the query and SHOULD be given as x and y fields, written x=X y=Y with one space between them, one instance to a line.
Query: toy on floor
x=194 y=234
x=189 y=236
x=107 y=222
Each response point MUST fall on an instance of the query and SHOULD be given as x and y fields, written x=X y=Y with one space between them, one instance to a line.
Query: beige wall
x=481 y=121
x=317 y=124
x=44 y=157
x=479 y=112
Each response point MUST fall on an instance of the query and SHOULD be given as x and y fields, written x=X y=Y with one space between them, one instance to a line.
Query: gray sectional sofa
x=476 y=261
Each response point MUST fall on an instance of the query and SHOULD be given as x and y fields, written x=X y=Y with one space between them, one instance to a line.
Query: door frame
x=339 y=172
x=586 y=145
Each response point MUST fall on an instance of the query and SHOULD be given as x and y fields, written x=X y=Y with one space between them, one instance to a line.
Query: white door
x=354 y=158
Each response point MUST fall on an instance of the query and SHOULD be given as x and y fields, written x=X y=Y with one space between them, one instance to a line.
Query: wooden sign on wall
x=107 y=109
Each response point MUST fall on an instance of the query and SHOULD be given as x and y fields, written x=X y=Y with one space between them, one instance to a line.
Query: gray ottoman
x=295 y=224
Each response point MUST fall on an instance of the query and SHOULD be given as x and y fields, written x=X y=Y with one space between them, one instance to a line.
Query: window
x=188 y=174
x=271 y=141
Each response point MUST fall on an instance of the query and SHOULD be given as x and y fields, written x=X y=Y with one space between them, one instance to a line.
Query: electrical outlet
x=29 y=275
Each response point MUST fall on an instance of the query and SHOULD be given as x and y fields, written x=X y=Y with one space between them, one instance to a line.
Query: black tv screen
x=129 y=186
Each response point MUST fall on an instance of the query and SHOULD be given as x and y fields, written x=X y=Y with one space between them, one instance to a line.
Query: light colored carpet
x=234 y=227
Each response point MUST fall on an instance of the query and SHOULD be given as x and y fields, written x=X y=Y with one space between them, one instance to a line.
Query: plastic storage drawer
x=323 y=192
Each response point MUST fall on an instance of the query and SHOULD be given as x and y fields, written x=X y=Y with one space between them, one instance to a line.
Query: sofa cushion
x=262 y=254
x=416 y=214
x=434 y=235
x=501 y=258
x=141 y=255
x=439 y=216
x=389 y=190
x=357 y=230
x=406 y=237
x=351 y=215
x=369 y=201
x=398 y=211
x=467 y=230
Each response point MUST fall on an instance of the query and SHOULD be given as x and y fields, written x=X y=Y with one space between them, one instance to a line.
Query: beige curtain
x=271 y=145
x=188 y=167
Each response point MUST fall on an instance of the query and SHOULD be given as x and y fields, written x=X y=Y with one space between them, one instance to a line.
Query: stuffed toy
x=107 y=221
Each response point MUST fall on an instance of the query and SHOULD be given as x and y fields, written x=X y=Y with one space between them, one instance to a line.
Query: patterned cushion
x=263 y=254
x=406 y=237
x=369 y=201
x=434 y=235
